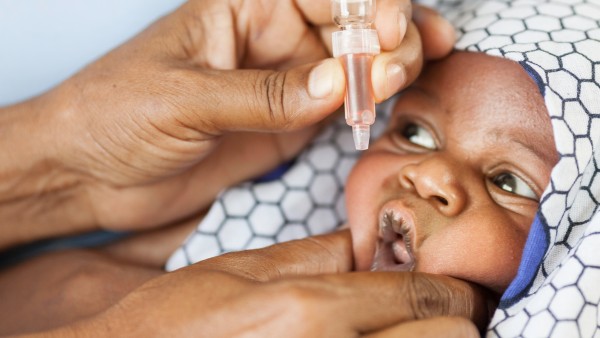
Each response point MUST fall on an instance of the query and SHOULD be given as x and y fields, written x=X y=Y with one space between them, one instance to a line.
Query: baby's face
x=453 y=185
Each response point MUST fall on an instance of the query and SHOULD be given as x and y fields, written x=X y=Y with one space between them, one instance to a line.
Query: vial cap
x=356 y=41
x=361 y=134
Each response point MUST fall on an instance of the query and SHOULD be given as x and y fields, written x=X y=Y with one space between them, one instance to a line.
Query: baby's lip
x=394 y=250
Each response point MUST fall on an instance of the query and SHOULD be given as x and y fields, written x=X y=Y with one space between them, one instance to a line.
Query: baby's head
x=453 y=184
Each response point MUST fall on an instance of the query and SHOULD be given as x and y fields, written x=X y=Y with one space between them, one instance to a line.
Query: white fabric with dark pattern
x=557 y=290
x=306 y=199
x=558 y=43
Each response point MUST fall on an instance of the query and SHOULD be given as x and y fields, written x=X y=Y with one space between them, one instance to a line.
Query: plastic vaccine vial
x=355 y=45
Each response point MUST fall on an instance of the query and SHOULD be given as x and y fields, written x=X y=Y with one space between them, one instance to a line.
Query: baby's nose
x=438 y=181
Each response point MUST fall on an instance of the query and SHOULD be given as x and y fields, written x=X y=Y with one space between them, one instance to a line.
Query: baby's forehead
x=467 y=83
x=471 y=95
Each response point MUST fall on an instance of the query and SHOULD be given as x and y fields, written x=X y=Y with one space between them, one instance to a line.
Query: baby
x=452 y=185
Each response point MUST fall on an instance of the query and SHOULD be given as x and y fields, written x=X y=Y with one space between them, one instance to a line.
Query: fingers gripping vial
x=355 y=45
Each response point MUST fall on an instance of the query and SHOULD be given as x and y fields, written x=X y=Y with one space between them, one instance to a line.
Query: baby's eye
x=513 y=184
x=418 y=135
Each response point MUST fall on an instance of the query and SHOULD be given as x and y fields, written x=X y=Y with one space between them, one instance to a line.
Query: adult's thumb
x=267 y=100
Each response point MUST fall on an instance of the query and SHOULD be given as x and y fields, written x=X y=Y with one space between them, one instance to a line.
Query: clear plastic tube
x=355 y=45
x=349 y=14
x=359 y=101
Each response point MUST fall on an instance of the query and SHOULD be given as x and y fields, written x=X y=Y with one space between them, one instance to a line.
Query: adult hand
x=143 y=136
x=295 y=289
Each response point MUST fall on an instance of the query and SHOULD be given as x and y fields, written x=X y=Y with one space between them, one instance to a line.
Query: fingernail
x=395 y=78
x=427 y=16
x=320 y=80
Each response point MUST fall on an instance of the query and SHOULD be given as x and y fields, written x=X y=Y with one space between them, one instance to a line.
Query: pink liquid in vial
x=359 y=101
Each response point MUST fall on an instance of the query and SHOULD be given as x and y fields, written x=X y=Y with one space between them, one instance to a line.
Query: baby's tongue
x=401 y=254
x=391 y=254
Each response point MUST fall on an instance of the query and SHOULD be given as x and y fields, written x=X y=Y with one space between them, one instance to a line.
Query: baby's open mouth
x=393 y=252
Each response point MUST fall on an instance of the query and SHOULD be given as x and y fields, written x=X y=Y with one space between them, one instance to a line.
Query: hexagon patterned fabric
x=303 y=198
x=557 y=290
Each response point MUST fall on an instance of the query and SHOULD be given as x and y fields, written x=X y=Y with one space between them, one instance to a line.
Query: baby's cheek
x=362 y=208
x=370 y=184
x=486 y=257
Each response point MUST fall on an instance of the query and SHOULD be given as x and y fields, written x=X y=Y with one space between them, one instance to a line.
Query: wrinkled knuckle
x=328 y=253
x=271 y=91
x=427 y=298
x=265 y=271
x=414 y=297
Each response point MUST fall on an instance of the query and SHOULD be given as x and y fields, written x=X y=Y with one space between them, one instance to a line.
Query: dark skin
x=464 y=160
x=84 y=284
x=128 y=142
x=294 y=276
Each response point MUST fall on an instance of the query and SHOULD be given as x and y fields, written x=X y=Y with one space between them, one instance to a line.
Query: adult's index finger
x=374 y=300
x=316 y=12
x=391 y=17
x=325 y=254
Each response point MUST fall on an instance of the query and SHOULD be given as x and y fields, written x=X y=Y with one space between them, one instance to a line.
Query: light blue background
x=43 y=42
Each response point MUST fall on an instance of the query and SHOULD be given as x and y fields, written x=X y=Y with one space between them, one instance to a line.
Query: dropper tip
x=361 y=134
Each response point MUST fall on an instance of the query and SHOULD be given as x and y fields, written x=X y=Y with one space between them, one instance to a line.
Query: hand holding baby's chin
x=310 y=293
